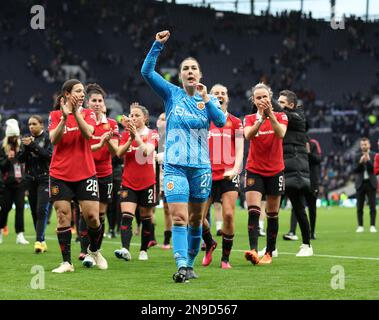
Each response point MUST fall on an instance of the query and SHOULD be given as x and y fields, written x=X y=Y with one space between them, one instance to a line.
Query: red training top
x=139 y=170
x=222 y=146
x=72 y=158
x=102 y=156
x=266 y=148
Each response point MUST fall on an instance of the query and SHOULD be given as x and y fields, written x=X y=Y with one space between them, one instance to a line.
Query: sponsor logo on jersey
x=170 y=185
x=54 y=190
x=200 y=105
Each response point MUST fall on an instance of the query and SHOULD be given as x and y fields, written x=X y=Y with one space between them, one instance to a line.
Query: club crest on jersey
x=200 y=105
x=123 y=194
x=170 y=185
x=54 y=190
x=250 y=182
x=228 y=123
x=106 y=126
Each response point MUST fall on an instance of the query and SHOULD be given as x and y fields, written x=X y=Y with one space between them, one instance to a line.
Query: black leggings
x=39 y=206
x=297 y=198
x=13 y=195
x=311 y=199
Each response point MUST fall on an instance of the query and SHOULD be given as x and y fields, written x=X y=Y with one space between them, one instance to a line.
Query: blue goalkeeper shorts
x=185 y=184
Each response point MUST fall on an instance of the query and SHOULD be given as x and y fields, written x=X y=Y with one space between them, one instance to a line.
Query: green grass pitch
x=289 y=277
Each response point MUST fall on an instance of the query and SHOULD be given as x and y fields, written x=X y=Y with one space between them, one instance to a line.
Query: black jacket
x=359 y=169
x=36 y=157
x=314 y=158
x=296 y=161
x=7 y=168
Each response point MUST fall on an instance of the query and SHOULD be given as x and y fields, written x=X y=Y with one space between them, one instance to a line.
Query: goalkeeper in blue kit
x=187 y=170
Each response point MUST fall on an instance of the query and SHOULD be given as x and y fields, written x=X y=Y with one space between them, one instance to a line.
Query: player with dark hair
x=104 y=143
x=137 y=146
x=264 y=170
x=226 y=146
x=187 y=171
x=73 y=172
x=36 y=153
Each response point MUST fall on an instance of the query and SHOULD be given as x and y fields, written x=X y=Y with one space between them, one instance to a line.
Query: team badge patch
x=200 y=105
x=123 y=194
x=54 y=190
x=250 y=181
x=170 y=185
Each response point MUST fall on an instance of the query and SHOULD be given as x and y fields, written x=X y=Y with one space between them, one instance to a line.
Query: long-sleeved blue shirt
x=187 y=118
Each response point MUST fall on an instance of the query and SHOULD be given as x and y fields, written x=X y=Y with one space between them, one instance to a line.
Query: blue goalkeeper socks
x=194 y=240
x=180 y=245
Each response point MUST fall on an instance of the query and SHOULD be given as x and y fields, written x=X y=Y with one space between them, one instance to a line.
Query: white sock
x=218 y=225
x=261 y=224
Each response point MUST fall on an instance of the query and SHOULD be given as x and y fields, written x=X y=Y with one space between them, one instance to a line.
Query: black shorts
x=145 y=198
x=86 y=189
x=219 y=187
x=105 y=189
x=271 y=186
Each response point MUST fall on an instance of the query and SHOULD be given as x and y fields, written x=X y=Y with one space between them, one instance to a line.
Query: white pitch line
x=284 y=253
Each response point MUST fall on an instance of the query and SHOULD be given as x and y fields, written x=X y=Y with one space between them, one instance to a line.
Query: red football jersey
x=72 y=158
x=102 y=156
x=139 y=170
x=266 y=148
x=222 y=146
x=376 y=164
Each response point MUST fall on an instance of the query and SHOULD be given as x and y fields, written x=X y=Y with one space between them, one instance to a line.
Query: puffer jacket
x=296 y=161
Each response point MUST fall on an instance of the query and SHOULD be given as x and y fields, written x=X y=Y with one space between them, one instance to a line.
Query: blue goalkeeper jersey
x=187 y=118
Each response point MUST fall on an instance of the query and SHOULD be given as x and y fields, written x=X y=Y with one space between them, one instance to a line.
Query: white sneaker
x=263 y=251
x=21 y=239
x=143 y=256
x=262 y=233
x=360 y=229
x=100 y=261
x=305 y=251
x=89 y=260
x=290 y=236
x=64 y=267
x=123 y=253
x=373 y=229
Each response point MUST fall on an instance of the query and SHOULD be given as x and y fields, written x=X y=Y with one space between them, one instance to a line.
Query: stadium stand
x=334 y=73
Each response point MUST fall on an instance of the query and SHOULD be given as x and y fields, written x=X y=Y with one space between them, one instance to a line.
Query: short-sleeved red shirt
x=72 y=158
x=102 y=156
x=139 y=172
x=266 y=148
x=222 y=147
